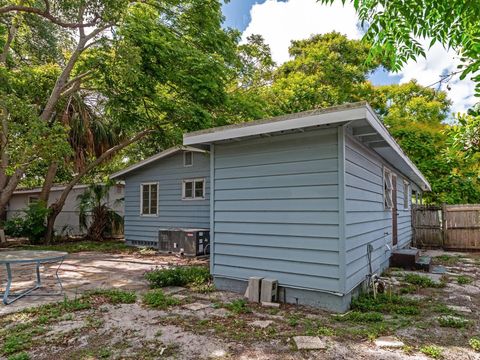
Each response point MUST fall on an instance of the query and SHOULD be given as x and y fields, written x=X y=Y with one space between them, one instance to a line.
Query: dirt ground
x=432 y=319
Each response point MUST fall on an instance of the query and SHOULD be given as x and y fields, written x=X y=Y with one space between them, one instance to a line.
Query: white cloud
x=281 y=22
x=440 y=61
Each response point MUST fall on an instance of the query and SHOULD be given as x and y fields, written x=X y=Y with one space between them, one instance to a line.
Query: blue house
x=168 y=190
x=317 y=200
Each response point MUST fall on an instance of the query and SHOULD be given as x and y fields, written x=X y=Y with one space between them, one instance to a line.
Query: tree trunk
x=48 y=182
x=57 y=207
x=3 y=149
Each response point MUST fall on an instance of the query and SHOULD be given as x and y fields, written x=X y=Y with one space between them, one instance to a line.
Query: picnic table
x=36 y=257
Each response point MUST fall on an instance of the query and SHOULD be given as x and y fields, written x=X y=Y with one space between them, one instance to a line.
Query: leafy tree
x=95 y=213
x=326 y=70
x=395 y=27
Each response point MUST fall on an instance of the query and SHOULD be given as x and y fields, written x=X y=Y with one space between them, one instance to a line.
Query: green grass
x=474 y=343
x=432 y=351
x=157 y=299
x=84 y=245
x=178 y=276
x=464 y=280
x=443 y=309
x=114 y=296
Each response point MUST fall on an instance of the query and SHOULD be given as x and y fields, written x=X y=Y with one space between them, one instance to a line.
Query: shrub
x=474 y=343
x=32 y=225
x=178 y=276
x=19 y=356
x=159 y=300
x=432 y=351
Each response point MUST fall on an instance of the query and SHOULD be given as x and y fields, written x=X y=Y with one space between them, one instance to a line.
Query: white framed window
x=406 y=195
x=149 y=199
x=33 y=199
x=387 y=189
x=193 y=189
x=187 y=158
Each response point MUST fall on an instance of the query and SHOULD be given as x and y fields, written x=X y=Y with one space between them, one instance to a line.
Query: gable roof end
x=151 y=159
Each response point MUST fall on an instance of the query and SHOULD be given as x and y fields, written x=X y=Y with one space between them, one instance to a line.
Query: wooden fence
x=451 y=227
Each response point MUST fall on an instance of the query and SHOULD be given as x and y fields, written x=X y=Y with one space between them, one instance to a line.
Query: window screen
x=149 y=199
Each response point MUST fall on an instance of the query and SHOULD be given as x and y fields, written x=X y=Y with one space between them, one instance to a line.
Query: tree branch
x=47 y=15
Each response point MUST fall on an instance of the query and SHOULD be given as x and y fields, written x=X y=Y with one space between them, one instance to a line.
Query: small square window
x=187 y=158
x=193 y=189
x=33 y=199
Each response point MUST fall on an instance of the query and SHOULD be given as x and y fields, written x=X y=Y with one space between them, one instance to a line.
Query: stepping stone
x=173 y=289
x=270 y=304
x=262 y=324
x=388 y=342
x=463 y=309
x=438 y=269
x=196 y=306
x=461 y=297
x=309 y=343
x=179 y=296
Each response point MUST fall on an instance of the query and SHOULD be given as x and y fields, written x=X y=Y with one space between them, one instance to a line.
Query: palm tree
x=95 y=214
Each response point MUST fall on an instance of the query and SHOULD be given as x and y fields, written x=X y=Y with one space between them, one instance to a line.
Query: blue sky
x=280 y=21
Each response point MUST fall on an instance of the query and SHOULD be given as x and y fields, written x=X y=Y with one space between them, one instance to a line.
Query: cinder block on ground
x=253 y=289
x=269 y=291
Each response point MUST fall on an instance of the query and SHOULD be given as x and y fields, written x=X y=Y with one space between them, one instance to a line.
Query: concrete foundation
x=324 y=300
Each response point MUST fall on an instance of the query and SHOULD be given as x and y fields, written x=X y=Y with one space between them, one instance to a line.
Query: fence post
x=444 y=224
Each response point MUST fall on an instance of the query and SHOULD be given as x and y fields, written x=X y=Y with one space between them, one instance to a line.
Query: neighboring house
x=67 y=221
x=316 y=200
x=168 y=190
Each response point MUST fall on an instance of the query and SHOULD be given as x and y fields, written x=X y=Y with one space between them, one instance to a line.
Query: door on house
x=394 y=211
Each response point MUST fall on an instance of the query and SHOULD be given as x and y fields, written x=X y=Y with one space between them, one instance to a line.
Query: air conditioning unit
x=189 y=242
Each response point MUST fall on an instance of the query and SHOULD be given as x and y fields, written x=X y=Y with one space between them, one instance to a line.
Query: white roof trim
x=335 y=115
x=275 y=126
x=155 y=157
x=384 y=133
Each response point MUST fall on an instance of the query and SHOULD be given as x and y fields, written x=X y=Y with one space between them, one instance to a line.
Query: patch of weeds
x=407 y=349
x=453 y=322
x=293 y=320
x=159 y=300
x=464 y=280
x=178 y=276
x=409 y=289
x=325 y=331
x=93 y=322
x=16 y=342
x=421 y=281
x=114 y=296
x=474 y=343
x=104 y=353
x=446 y=259
x=203 y=288
x=443 y=309
x=19 y=356
x=360 y=317
x=238 y=306
x=386 y=303
x=273 y=311
x=432 y=351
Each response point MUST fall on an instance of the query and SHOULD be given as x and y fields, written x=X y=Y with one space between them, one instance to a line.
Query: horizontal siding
x=276 y=209
x=172 y=210
x=366 y=220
